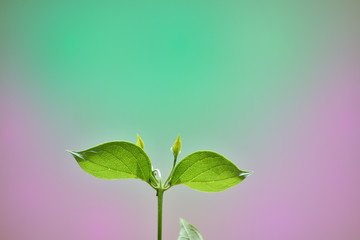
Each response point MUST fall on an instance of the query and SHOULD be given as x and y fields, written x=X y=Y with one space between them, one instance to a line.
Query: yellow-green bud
x=177 y=147
x=140 y=142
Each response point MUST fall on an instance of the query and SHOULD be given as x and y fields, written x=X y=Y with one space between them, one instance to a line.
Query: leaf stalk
x=171 y=173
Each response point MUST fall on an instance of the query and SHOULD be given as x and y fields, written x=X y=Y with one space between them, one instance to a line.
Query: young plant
x=203 y=171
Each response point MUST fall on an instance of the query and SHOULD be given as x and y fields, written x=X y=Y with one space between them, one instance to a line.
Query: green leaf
x=208 y=172
x=188 y=231
x=115 y=160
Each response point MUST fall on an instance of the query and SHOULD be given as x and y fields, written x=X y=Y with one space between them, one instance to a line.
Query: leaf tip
x=245 y=174
x=74 y=154
x=183 y=222
x=140 y=142
x=69 y=151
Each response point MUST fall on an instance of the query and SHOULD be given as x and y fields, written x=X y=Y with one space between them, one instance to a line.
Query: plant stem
x=160 y=193
x=171 y=173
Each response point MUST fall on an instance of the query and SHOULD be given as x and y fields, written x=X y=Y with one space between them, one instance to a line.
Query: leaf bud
x=140 y=142
x=177 y=147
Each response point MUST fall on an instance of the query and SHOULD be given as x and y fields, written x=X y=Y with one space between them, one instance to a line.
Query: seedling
x=203 y=171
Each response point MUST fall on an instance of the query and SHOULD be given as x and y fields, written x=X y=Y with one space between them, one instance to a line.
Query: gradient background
x=272 y=85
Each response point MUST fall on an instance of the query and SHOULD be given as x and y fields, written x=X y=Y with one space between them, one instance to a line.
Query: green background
x=271 y=85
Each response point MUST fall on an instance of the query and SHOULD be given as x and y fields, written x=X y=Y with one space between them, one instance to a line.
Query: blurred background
x=271 y=85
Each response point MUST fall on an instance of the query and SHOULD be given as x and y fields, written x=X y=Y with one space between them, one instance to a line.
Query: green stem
x=160 y=194
x=171 y=173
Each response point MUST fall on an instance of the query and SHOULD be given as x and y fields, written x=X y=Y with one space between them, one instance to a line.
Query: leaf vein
x=137 y=162
x=190 y=168
x=112 y=169
x=208 y=170
x=123 y=162
x=218 y=180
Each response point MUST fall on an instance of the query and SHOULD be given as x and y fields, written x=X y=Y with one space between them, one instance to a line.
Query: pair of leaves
x=204 y=171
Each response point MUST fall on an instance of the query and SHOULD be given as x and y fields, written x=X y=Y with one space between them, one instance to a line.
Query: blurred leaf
x=188 y=231
x=208 y=172
x=115 y=160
